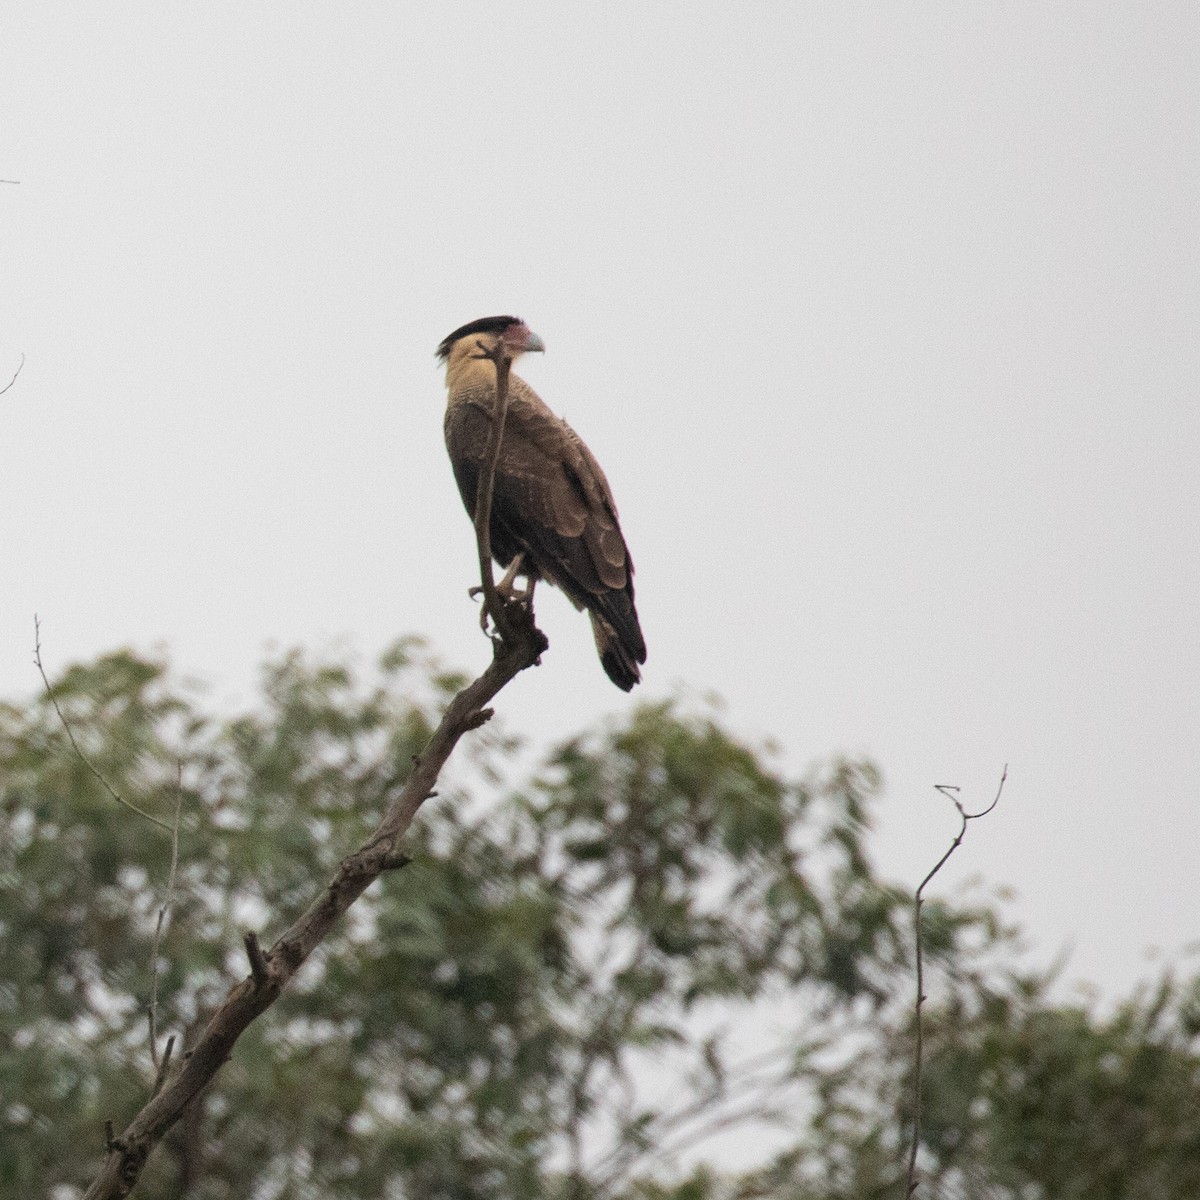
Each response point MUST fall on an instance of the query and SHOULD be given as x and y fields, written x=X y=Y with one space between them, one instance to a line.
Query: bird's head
x=483 y=336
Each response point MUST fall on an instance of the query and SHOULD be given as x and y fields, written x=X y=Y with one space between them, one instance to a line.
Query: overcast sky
x=883 y=320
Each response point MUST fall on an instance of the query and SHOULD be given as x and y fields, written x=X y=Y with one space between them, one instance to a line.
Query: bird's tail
x=619 y=663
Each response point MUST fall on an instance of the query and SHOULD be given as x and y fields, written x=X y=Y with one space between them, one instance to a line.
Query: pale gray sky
x=883 y=320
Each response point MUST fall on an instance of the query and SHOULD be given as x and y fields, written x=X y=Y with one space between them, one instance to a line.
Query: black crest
x=481 y=325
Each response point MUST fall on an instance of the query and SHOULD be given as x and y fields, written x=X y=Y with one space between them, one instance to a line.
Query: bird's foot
x=508 y=595
x=515 y=595
x=507 y=589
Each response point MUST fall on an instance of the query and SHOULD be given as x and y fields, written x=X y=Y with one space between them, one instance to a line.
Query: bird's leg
x=505 y=590
x=505 y=586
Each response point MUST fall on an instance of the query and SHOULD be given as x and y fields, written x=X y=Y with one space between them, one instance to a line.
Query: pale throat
x=467 y=371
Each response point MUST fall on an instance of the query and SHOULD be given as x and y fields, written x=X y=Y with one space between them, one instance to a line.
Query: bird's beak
x=534 y=344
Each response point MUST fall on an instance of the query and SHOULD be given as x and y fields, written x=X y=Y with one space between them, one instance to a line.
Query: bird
x=553 y=516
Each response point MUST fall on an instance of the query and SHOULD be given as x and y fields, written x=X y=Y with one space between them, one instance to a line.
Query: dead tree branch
x=160 y=1067
x=83 y=758
x=519 y=645
x=951 y=793
x=168 y=897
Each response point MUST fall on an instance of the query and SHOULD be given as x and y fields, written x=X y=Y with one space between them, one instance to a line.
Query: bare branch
x=519 y=647
x=950 y=791
x=168 y=897
x=22 y=362
x=108 y=787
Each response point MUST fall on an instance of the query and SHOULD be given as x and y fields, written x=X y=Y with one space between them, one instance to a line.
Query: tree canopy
x=595 y=970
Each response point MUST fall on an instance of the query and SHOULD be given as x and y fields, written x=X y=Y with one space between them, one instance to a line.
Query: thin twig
x=168 y=897
x=486 y=486
x=161 y=1075
x=247 y=1000
x=22 y=362
x=87 y=762
x=950 y=791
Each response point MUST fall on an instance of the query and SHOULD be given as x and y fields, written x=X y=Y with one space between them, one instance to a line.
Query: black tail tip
x=619 y=659
x=620 y=668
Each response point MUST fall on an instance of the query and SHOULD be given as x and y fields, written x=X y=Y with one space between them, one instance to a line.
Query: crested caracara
x=553 y=515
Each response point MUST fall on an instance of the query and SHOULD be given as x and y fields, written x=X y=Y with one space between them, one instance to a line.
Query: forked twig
x=950 y=791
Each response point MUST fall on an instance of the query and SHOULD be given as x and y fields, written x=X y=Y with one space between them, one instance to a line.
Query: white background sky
x=883 y=320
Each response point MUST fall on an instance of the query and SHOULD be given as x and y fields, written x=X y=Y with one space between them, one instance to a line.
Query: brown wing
x=552 y=501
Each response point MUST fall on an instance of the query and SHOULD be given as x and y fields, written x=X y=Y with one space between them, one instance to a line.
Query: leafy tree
x=578 y=981
x=1078 y=1105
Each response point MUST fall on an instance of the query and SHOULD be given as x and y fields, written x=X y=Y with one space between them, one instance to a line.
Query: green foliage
x=571 y=988
x=1082 y=1106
